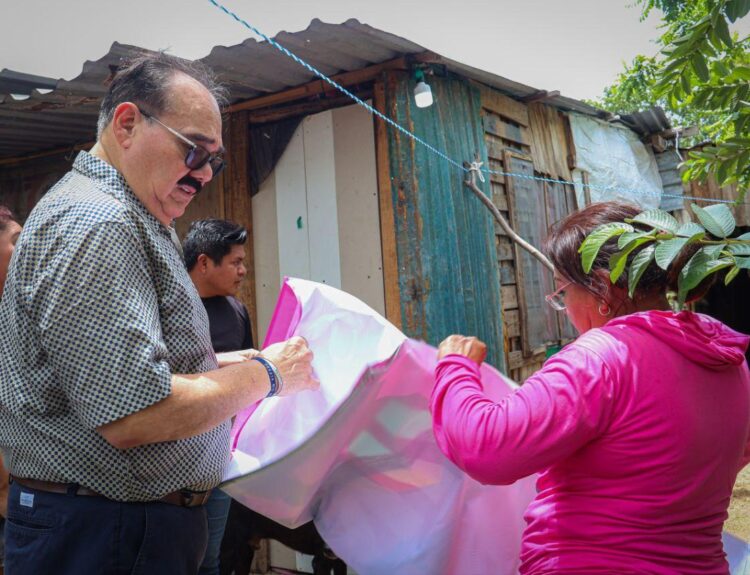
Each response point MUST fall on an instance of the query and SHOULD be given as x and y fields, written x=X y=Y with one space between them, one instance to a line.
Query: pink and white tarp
x=358 y=456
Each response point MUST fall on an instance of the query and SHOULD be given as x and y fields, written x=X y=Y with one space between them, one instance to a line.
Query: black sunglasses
x=197 y=156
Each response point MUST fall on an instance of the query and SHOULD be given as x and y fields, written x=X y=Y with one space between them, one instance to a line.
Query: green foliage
x=590 y=247
x=661 y=239
x=701 y=78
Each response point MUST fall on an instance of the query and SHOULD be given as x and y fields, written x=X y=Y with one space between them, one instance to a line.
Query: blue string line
x=434 y=150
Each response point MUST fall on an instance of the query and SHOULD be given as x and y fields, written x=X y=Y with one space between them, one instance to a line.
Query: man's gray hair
x=145 y=80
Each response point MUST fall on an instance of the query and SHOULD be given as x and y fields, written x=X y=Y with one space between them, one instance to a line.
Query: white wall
x=316 y=216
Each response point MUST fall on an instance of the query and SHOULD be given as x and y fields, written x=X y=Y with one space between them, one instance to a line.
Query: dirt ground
x=739 y=509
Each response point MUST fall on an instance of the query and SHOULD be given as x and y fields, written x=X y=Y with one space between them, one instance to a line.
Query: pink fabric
x=285 y=318
x=640 y=429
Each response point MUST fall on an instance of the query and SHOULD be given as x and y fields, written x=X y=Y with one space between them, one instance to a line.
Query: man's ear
x=202 y=263
x=124 y=122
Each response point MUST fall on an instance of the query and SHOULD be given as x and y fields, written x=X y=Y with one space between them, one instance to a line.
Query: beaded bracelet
x=274 y=376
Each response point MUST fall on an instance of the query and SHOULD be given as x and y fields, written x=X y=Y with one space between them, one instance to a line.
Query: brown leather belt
x=182 y=498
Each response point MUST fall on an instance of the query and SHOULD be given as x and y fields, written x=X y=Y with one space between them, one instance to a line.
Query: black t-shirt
x=229 y=324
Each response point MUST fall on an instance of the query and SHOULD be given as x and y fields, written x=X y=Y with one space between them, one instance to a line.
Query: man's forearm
x=196 y=404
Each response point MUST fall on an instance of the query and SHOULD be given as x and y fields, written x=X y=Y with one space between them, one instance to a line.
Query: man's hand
x=232 y=357
x=293 y=359
x=470 y=347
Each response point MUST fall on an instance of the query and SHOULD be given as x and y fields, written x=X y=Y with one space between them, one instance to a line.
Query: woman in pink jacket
x=638 y=428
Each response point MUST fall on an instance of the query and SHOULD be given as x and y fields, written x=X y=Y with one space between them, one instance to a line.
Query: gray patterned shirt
x=98 y=312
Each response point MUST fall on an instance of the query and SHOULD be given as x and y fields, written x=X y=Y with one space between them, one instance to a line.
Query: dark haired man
x=214 y=253
x=114 y=413
x=214 y=256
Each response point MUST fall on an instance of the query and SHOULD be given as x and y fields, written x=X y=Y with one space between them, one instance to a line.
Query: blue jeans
x=68 y=534
x=217 y=510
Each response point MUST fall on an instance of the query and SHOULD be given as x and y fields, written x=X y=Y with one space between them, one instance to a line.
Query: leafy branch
x=660 y=238
x=702 y=78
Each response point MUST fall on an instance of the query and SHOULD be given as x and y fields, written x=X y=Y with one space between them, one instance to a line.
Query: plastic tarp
x=619 y=165
x=358 y=455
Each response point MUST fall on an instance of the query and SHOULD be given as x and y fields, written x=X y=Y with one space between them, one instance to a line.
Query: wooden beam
x=55 y=152
x=672 y=133
x=540 y=96
x=267 y=115
x=387 y=218
x=238 y=204
x=320 y=86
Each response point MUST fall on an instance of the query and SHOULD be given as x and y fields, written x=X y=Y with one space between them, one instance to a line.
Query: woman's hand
x=470 y=347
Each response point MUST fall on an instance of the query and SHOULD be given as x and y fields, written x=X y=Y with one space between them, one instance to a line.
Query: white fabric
x=358 y=456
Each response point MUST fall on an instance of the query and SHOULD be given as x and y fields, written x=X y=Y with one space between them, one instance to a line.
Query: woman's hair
x=6 y=216
x=567 y=235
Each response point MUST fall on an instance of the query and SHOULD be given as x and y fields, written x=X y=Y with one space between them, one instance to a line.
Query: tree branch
x=470 y=182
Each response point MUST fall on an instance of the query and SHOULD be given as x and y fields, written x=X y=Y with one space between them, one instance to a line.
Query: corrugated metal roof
x=67 y=115
x=647 y=122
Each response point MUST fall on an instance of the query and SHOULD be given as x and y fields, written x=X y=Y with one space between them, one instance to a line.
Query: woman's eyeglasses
x=197 y=156
x=557 y=299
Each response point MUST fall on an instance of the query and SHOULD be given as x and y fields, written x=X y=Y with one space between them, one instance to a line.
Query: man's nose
x=203 y=174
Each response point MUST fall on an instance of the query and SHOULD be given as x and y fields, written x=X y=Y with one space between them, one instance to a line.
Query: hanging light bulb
x=422 y=91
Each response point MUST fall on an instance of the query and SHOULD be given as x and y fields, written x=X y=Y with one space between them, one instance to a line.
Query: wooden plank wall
x=448 y=273
x=530 y=139
x=22 y=184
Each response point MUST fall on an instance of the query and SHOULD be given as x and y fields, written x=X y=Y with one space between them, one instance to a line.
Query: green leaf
x=658 y=219
x=731 y=274
x=667 y=250
x=628 y=237
x=739 y=249
x=722 y=31
x=689 y=229
x=721 y=68
x=716 y=218
x=674 y=65
x=741 y=73
x=732 y=10
x=700 y=266
x=618 y=260
x=596 y=239
x=721 y=173
x=685 y=83
x=639 y=265
x=736 y=9
x=743 y=263
x=715 y=250
x=699 y=65
x=743 y=237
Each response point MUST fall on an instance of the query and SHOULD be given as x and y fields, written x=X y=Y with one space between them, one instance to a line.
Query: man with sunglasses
x=114 y=411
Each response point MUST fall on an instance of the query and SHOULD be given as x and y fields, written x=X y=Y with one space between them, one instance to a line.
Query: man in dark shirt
x=214 y=255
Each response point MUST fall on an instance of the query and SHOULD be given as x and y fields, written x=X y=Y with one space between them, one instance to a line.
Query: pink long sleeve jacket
x=638 y=428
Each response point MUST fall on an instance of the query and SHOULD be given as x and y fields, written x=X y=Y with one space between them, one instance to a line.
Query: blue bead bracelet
x=272 y=373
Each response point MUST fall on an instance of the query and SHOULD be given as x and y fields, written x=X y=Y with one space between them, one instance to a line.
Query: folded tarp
x=358 y=456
